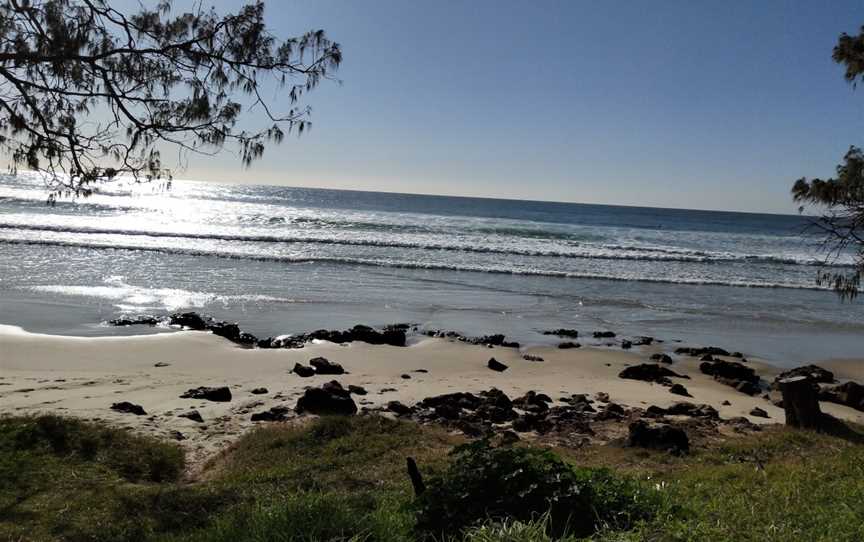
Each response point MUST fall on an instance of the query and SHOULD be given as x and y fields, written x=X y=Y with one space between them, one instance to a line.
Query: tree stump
x=801 y=402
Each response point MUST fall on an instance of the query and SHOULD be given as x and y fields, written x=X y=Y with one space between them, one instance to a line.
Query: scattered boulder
x=190 y=320
x=161 y=364
x=759 y=413
x=562 y=332
x=812 y=372
x=567 y=345
x=323 y=366
x=406 y=376
x=303 y=371
x=259 y=391
x=533 y=402
x=678 y=389
x=661 y=358
x=602 y=396
x=496 y=365
x=398 y=408
x=658 y=437
x=129 y=408
x=329 y=399
x=726 y=403
x=626 y=345
x=611 y=411
x=495 y=340
x=145 y=320
x=278 y=413
x=695 y=352
x=529 y=357
x=218 y=394
x=642 y=341
x=193 y=415
x=356 y=390
x=177 y=435
x=650 y=372
x=732 y=373
x=692 y=410
x=603 y=334
x=850 y=394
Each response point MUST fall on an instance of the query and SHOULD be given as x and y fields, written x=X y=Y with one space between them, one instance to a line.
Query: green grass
x=344 y=479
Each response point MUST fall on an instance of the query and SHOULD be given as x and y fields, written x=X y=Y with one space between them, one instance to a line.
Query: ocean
x=285 y=260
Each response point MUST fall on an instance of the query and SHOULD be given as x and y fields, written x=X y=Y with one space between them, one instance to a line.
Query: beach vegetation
x=344 y=478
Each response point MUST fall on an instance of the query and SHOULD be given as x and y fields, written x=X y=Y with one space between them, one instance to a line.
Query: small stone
x=759 y=413
x=193 y=415
x=161 y=364
x=259 y=391
x=303 y=371
x=129 y=408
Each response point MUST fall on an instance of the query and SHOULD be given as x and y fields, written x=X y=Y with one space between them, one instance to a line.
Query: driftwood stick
x=416 y=477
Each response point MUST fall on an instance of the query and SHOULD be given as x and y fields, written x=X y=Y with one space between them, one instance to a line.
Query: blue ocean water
x=283 y=260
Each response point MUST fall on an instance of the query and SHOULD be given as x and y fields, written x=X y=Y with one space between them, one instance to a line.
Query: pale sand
x=84 y=376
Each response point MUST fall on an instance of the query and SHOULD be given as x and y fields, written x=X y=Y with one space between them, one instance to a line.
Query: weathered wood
x=416 y=477
x=801 y=402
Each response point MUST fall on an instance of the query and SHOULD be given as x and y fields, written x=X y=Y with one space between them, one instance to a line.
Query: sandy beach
x=82 y=377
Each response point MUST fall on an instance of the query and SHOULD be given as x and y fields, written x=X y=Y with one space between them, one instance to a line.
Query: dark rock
x=708 y=350
x=626 y=345
x=533 y=402
x=278 y=413
x=758 y=412
x=695 y=411
x=655 y=411
x=602 y=396
x=532 y=422
x=259 y=391
x=495 y=340
x=496 y=365
x=219 y=394
x=323 y=366
x=398 y=408
x=496 y=397
x=850 y=394
x=356 y=390
x=562 y=332
x=129 y=408
x=707 y=357
x=329 y=399
x=193 y=415
x=611 y=411
x=603 y=334
x=567 y=345
x=161 y=364
x=726 y=403
x=678 y=389
x=406 y=376
x=643 y=341
x=658 y=437
x=144 y=320
x=191 y=320
x=812 y=372
x=303 y=371
x=492 y=413
x=459 y=399
x=661 y=358
x=226 y=330
x=650 y=372
x=748 y=387
x=177 y=435
x=507 y=438
x=738 y=355
x=730 y=370
x=529 y=357
x=448 y=411
x=424 y=371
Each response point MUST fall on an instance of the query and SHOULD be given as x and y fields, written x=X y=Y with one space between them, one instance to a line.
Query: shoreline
x=84 y=376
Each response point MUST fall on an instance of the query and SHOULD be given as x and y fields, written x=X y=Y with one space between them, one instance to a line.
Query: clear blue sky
x=697 y=104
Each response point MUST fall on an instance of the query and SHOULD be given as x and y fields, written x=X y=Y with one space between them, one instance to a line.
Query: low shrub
x=524 y=484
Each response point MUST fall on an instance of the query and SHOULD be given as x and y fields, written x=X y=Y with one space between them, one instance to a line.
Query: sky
x=692 y=104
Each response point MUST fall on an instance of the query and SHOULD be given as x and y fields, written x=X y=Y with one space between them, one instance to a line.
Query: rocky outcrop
x=129 y=408
x=324 y=366
x=650 y=372
x=734 y=374
x=701 y=351
x=562 y=332
x=813 y=373
x=850 y=394
x=391 y=335
x=219 y=394
x=329 y=399
x=658 y=437
x=145 y=320
x=193 y=415
x=303 y=371
x=278 y=413
x=678 y=389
